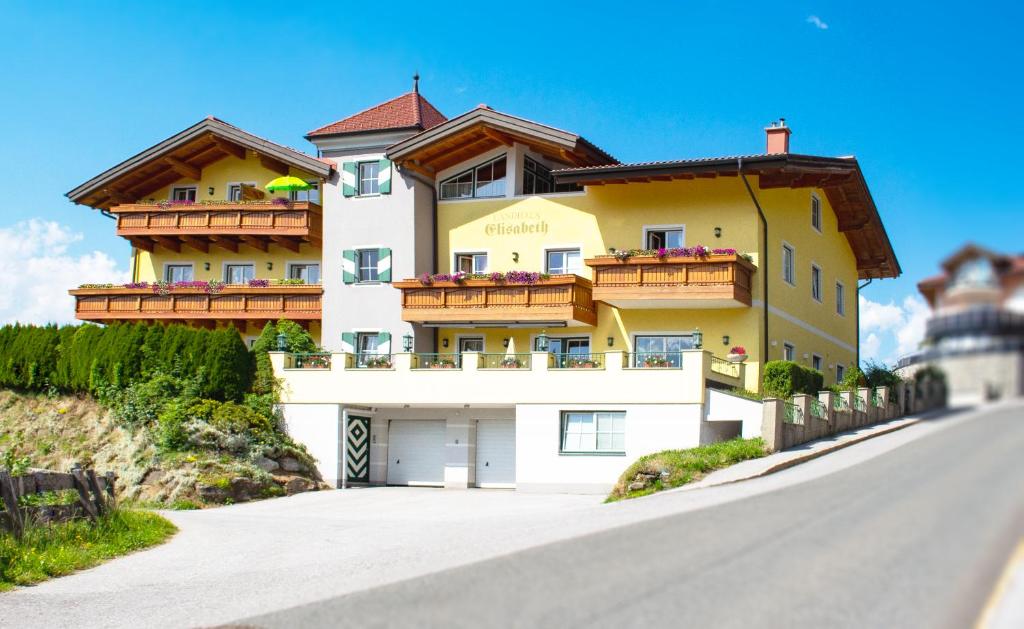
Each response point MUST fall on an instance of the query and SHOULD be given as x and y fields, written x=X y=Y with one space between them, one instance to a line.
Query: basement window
x=593 y=432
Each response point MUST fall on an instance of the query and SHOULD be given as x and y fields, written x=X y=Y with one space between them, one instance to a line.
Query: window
x=840 y=372
x=565 y=348
x=309 y=273
x=588 y=431
x=183 y=193
x=815 y=212
x=368 y=172
x=236 y=191
x=563 y=261
x=976 y=273
x=312 y=195
x=655 y=349
x=537 y=178
x=471 y=262
x=815 y=362
x=816 y=282
x=178 y=273
x=239 y=273
x=788 y=351
x=366 y=265
x=788 y=270
x=367 y=346
x=486 y=180
x=667 y=238
x=840 y=298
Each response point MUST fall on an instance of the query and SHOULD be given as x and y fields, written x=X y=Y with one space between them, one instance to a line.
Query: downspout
x=433 y=224
x=856 y=315
x=763 y=261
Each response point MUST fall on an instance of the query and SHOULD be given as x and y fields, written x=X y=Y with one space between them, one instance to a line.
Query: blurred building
x=976 y=334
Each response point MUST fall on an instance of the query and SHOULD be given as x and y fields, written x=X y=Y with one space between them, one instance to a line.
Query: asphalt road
x=915 y=537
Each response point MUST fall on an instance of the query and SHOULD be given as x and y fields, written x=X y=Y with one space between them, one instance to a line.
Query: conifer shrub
x=784 y=378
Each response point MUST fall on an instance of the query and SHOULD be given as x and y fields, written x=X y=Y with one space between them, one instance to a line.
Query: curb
x=778 y=467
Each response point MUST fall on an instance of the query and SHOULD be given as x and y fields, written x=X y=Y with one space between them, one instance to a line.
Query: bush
x=853 y=379
x=88 y=358
x=878 y=375
x=784 y=378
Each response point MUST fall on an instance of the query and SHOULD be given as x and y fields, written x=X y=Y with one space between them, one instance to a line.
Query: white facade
x=402 y=221
x=522 y=412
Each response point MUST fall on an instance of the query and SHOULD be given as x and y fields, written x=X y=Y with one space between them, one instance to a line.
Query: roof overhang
x=839 y=177
x=483 y=129
x=185 y=154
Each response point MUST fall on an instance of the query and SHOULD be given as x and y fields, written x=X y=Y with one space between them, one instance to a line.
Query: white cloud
x=891 y=330
x=816 y=21
x=38 y=271
x=460 y=89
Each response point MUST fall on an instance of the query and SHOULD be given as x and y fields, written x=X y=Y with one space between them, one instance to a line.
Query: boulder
x=637 y=486
x=265 y=464
x=244 y=489
x=290 y=464
x=213 y=494
x=153 y=477
x=298 y=485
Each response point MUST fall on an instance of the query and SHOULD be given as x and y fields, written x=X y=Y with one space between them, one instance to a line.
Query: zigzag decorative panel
x=358 y=444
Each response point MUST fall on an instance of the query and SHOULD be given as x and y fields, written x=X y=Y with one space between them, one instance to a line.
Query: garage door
x=496 y=453
x=416 y=452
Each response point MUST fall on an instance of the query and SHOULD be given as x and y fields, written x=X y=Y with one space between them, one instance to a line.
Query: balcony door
x=661 y=348
x=565 y=348
x=308 y=273
x=178 y=273
x=239 y=273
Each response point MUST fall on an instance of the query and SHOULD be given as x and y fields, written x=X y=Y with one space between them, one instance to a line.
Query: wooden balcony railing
x=560 y=299
x=253 y=223
x=717 y=281
x=104 y=305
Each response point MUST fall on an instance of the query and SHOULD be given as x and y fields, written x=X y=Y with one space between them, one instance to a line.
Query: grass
x=59 y=549
x=685 y=466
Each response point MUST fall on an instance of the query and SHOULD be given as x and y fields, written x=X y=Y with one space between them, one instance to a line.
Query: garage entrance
x=416 y=452
x=496 y=453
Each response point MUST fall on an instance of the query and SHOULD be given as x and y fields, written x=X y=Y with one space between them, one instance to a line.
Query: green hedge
x=783 y=378
x=81 y=359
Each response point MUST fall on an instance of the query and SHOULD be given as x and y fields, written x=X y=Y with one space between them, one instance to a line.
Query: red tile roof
x=409 y=110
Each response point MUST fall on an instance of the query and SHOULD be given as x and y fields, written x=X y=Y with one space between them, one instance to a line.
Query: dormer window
x=976 y=273
x=484 y=181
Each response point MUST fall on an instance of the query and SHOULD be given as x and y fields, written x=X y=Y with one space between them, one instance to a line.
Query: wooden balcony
x=646 y=282
x=226 y=225
x=300 y=303
x=561 y=300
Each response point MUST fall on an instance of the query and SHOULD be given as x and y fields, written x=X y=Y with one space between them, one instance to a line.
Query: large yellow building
x=501 y=303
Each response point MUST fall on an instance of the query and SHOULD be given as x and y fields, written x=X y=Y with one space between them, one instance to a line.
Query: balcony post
x=539 y=361
x=614 y=361
x=470 y=361
x=773 y=412
x=401 y=362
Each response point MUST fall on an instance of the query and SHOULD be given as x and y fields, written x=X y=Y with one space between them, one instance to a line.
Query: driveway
x=251 y=559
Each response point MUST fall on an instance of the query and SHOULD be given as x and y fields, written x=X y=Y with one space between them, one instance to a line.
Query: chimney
x=777 y=135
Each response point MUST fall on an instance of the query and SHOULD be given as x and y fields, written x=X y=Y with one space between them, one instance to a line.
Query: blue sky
x=927 y=99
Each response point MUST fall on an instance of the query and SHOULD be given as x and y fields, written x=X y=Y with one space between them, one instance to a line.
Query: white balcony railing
x=403 y=380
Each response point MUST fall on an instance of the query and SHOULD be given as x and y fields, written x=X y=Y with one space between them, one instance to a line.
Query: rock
x=265 y=464
x=291 y=464
x=213 y=494
x=637 y=486
x=153 y=477
x=244 y=489
x=298 y=485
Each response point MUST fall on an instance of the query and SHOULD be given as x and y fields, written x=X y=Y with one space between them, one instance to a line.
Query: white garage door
x=416 y=452
x=496 y=453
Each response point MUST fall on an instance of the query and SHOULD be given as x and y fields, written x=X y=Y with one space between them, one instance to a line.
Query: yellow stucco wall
x=615 y=216
x=150 y=267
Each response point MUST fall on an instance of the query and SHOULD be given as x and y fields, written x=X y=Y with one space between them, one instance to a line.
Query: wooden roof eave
x=209 y=126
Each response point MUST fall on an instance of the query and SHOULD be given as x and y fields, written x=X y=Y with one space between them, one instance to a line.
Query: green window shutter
x=384 y=176
x=384 y=265
x=384 y=343
x=348 y=266
x=348 y=178
x=348 y=342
